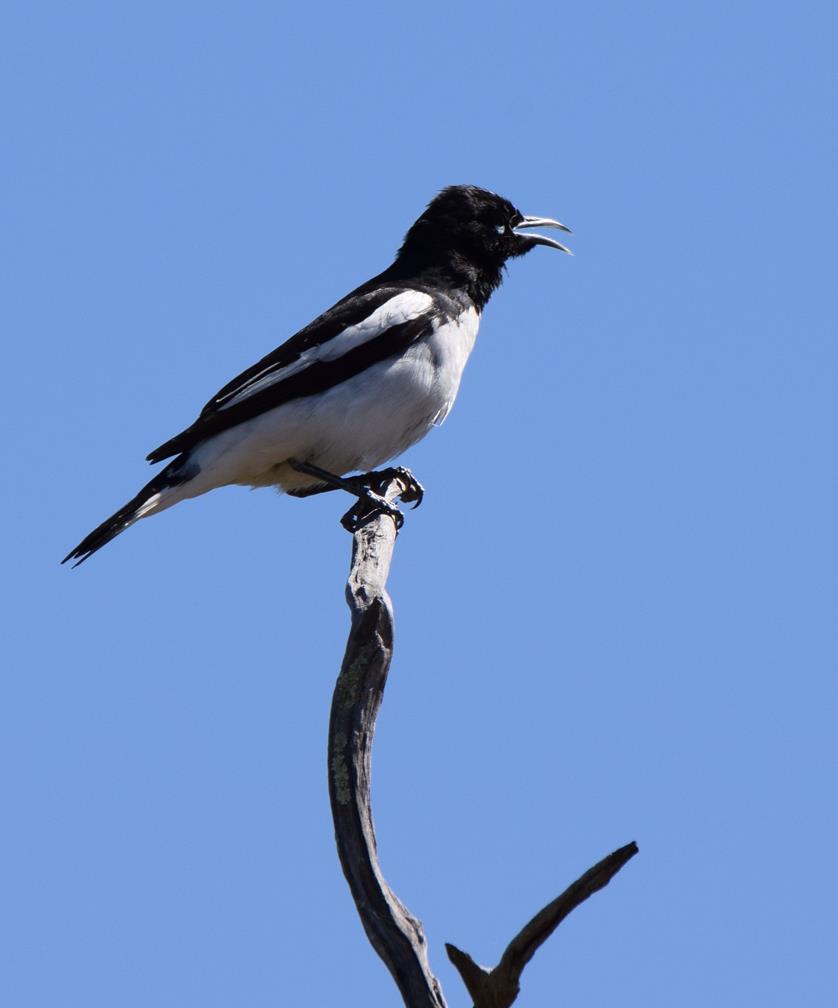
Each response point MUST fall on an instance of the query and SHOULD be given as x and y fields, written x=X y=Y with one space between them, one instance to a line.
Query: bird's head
x=480 y=225
x=475 y=228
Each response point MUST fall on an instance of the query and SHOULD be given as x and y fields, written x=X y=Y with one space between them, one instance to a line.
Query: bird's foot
x=369 y=488
x=413 y=492
x=368 y=506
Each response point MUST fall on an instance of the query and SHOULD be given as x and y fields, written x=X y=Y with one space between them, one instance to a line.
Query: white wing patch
x=404 y=307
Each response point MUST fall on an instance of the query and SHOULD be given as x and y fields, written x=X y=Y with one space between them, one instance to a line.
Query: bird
x=360 y=384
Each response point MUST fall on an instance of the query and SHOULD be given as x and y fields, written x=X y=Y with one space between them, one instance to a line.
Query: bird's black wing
x=367 y=326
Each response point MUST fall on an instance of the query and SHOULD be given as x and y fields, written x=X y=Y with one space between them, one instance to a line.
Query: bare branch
x=499 y=987
x=394 y=933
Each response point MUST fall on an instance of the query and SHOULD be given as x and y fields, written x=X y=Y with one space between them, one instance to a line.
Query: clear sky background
x=616 y=608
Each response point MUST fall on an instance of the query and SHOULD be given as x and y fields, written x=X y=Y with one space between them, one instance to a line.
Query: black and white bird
x=359 y=384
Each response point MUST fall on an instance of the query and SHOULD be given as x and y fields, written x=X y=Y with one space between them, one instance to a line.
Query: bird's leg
x=414 y=491
x=355 y=485
x=311 y=491
x=368 y=489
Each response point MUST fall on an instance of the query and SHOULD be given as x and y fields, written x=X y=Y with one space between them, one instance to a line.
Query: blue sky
x=616 y=607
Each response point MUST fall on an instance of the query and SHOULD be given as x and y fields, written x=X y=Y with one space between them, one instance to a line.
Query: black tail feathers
x=125 y=516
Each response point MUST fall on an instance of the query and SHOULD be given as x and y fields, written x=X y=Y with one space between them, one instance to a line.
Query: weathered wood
x=395 y=934
x=498 y=988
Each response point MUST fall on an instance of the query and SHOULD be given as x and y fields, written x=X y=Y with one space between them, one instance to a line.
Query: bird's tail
x=155 y=496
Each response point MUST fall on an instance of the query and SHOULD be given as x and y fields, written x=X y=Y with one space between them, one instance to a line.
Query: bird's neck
x=454 y=271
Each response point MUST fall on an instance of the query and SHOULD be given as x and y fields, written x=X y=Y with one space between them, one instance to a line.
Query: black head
x=474 y=232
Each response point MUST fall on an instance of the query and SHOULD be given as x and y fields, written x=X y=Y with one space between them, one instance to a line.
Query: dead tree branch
x=499 y=987
x=394 y=933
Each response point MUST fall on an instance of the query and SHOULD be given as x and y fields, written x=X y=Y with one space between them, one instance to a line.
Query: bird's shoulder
x=372 y=312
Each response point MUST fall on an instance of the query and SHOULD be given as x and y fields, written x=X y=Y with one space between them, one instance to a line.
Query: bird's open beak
x=537 y=239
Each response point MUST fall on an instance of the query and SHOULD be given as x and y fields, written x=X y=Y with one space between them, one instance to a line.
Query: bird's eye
x=500 y=228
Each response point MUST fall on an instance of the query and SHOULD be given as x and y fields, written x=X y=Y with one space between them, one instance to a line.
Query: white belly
x=355 y=426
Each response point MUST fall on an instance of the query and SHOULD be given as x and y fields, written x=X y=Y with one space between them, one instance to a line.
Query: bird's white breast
x=452 y=343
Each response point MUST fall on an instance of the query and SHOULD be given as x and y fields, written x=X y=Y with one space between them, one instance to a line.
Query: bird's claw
x=368 y=505
x=413 y=491
x=371 y=502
